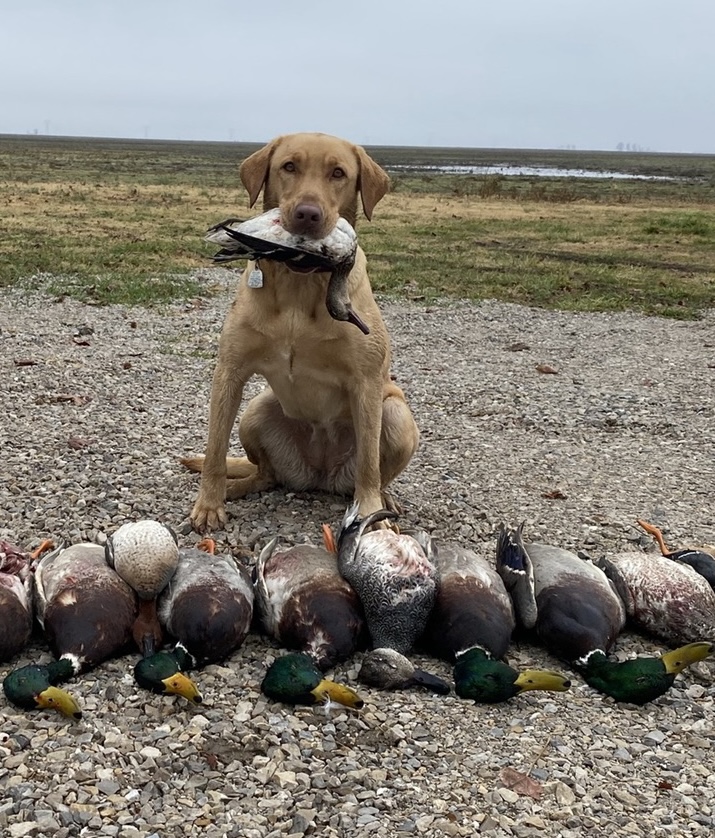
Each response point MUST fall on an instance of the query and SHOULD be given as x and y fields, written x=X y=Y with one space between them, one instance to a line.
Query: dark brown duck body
x=85 y=608
x=472 y=608
x=305 y=604
x=16 y=611
x=577 y=609
x=208 y=605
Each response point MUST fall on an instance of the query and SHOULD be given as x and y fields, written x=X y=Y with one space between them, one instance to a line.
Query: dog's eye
x=289 y=166
x=338 y=173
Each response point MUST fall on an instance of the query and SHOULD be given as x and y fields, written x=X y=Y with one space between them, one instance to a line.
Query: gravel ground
x=577 y=423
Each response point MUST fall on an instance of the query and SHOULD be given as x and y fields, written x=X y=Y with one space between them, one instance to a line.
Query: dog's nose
x=307 y=218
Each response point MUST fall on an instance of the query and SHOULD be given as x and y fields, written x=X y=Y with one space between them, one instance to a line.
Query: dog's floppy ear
x=373 y=182
x=254 y=170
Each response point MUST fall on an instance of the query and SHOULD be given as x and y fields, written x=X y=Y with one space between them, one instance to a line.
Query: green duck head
x=487 y=681
x=295 y=679
x=162 y=673
x=32 y=687
x=640 y=680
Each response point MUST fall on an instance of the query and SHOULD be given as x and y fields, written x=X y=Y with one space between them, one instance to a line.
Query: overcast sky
x=513 y=73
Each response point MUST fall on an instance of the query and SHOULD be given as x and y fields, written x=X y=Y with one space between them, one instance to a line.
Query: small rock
x=18 y=830
x=654 y=737
x=564 y=794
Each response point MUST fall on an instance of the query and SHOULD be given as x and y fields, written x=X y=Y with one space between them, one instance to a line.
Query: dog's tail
x=236 y=467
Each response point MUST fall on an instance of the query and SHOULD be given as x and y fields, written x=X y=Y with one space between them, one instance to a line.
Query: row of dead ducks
x=375 y=589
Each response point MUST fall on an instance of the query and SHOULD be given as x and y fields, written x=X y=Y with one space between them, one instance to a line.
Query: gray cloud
x=518 y=73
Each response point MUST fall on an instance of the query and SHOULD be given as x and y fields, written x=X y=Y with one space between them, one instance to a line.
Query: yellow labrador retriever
x=330 y=419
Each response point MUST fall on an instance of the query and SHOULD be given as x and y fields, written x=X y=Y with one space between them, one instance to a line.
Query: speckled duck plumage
x=392 y=574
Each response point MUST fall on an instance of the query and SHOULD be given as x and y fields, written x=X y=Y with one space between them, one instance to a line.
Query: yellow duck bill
x=331 y=691
x=679 y=659
x=542 y=679
x=53 y=698
x=180 y=684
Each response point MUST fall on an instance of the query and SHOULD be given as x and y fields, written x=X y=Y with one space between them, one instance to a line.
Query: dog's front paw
x=207 y=517
x=375 y=504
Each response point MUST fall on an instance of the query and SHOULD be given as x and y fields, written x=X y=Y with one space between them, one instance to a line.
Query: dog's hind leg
x=252 y=479
x=273 y=443
x=236 y=467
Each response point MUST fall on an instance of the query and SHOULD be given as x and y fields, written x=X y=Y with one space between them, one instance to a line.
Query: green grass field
x=122 y=221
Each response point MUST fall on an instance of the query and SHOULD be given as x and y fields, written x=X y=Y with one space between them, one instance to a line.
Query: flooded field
x=521 y=171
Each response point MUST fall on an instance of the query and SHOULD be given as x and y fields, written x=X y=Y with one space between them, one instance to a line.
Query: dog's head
x=314 y=179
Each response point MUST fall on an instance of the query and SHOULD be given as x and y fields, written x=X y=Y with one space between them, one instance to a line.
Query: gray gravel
x=100 y=402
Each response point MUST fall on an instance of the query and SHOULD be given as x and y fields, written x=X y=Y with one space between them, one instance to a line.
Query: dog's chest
x=308 y=384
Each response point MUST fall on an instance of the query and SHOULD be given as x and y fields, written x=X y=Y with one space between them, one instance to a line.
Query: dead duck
x=701 y=559
x=669 y=599
x=392 y=574
x=16 y=608
x=305 y=604
x=207 y=608
x=578 y=615
x=569 y=601
x=86 y=610
x=471 y=625
x=387 y=669
x=472 y=607
x=32 y=687
x=145 y=554
x=295 y=679
x=265 y=237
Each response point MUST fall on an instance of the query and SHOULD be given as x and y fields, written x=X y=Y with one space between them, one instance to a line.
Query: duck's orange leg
x=208 y=545
x=651 y=529
x=43 y=548
x=329 y=539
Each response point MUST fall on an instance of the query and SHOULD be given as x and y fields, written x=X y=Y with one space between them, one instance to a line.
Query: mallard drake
x=304 y=603
x=701 y=559
x=16 y=610
x=265 y=237
x=666 y=598
x=478 y=676
x=472 y=607
x=165 y=673
x=207 y=606
x=87 y=613
x=86 y=610
x=392 y=574
x=389 y=670
x=641 y=680
x=471 y=623
x=579 y=615
x=32 y=687
x=570 y=602
x=145 y=554
x=295 y=679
